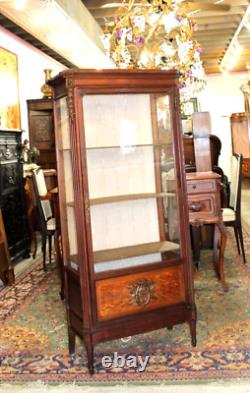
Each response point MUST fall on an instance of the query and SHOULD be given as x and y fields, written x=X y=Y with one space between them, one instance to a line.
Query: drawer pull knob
x=195 y=206
x=194 y=186
x=142 y=292
x=11 y=180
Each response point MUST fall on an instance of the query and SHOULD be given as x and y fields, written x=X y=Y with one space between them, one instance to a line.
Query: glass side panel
x=131 y=179
x=67 y=166
x=65 y=184
x=167 y=165
x=61 y=113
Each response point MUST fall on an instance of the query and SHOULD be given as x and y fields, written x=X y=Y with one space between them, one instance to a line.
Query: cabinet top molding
x=153 y=80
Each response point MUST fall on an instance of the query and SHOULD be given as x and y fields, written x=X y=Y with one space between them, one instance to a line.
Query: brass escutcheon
x=142 y=292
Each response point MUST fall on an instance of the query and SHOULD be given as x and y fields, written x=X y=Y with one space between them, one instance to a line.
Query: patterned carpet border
x=164 y=365
x=19 y=369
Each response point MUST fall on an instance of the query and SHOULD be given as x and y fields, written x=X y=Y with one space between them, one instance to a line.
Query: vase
x=46 y=89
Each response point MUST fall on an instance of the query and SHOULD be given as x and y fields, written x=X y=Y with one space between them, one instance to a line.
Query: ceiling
x=215 y=29
x=22 y=33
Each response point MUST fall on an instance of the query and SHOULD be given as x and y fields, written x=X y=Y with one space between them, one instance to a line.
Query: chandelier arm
x=130 y=4
x=120 y=23
x=151 y=32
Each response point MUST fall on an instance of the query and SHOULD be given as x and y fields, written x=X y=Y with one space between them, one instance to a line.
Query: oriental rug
x=33 y=333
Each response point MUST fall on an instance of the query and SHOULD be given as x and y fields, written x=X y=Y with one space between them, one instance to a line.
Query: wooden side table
x=204 y=204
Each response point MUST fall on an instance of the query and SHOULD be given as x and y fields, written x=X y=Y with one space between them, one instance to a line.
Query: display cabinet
x=123 y=204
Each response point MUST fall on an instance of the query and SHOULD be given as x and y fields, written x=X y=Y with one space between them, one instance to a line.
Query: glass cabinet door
x=134 y=217
x=65 y=182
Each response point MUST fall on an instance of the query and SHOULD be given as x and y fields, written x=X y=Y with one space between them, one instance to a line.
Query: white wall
x=222 y=97
x=31 y=63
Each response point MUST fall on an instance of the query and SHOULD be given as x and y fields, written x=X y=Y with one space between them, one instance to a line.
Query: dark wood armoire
x=12 y=200
x=123 y=204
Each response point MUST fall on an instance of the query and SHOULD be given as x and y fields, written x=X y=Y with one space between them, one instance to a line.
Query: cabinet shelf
x=64 y=149
x=127 y=146
x=127 y=197
x=134 y=251
x=131 y=251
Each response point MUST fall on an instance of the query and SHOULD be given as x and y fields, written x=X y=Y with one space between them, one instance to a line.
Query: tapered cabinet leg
x=192 y=326
x=90 y=353
x=72 y=341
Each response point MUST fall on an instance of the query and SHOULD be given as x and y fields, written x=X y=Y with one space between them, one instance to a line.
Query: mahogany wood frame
x=82 y=315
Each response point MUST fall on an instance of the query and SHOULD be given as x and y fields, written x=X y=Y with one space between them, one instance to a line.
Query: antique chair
x=232 y=214
x=47 y=221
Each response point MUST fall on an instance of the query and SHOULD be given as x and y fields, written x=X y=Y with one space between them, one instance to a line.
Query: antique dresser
x=123 y=204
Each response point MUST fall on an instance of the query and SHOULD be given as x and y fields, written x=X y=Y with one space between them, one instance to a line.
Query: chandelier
x=156 y=34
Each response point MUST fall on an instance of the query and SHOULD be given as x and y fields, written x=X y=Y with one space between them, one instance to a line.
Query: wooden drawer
x=196 y=187
x=140 y=292
x=202 y=206
x=201 y=203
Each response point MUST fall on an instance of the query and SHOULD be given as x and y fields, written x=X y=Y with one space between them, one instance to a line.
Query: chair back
x=235 y=187
x=41 y=191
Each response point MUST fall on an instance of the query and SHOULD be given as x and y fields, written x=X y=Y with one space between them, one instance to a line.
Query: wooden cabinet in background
x=240 y=131
x=12 y=194
x=41 y=131
x=123 y=204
